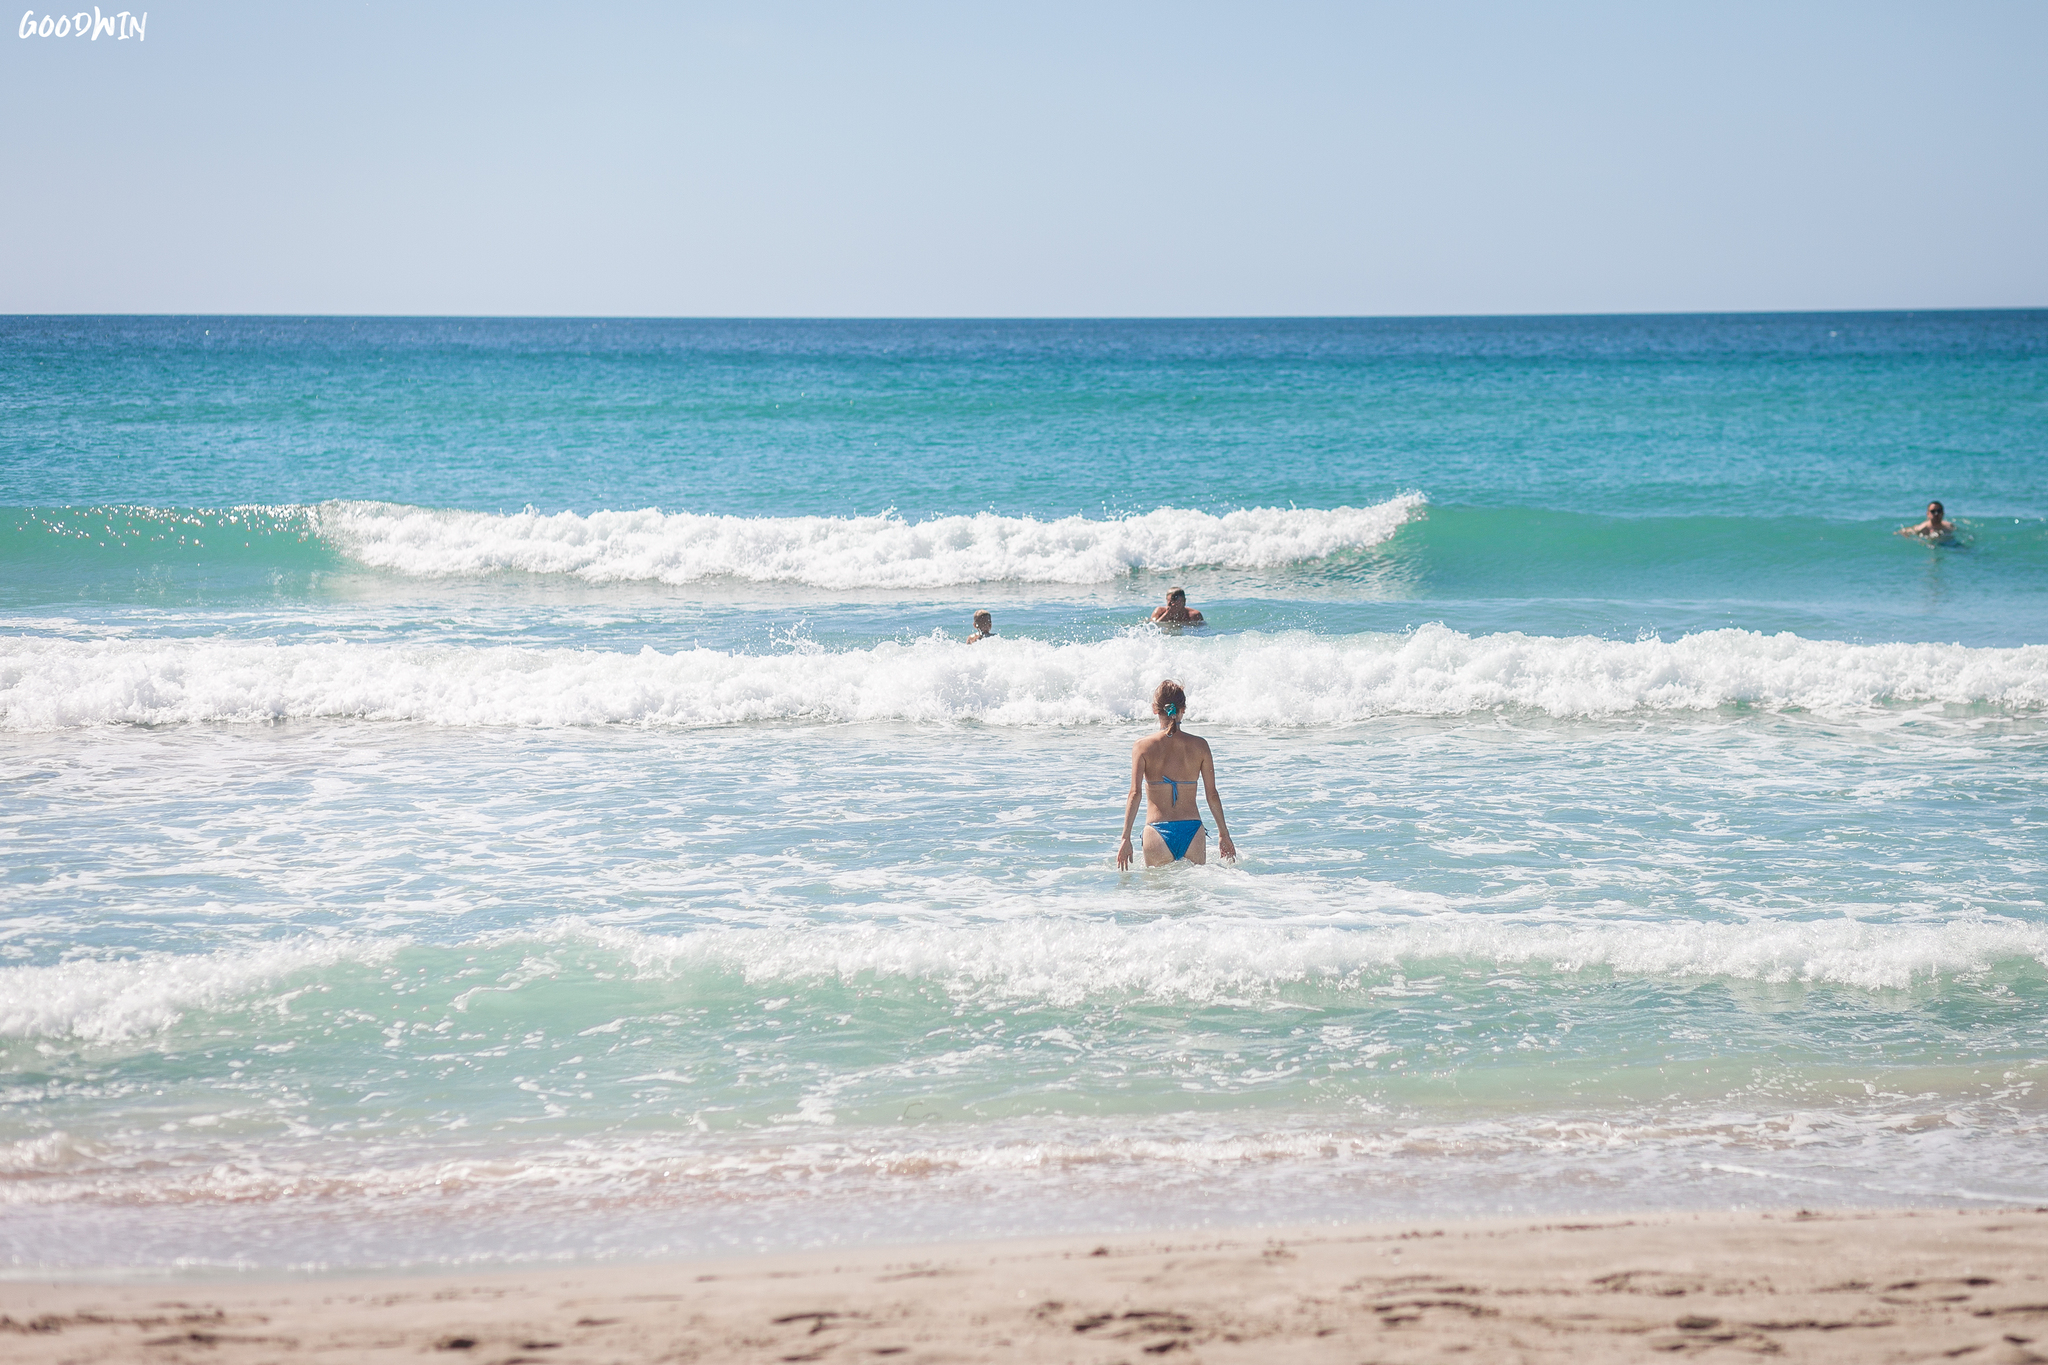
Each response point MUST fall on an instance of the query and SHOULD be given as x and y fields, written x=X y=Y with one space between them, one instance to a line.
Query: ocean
x=498 y=791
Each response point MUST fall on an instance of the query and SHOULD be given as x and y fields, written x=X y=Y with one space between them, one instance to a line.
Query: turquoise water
x=496 y=790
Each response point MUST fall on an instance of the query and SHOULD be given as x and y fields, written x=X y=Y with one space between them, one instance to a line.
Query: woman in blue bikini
x=1164 y=770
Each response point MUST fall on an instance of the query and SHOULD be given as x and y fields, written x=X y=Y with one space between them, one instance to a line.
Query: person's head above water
x=983 y=621
x=1176 y=611
x=1937 y=527
x=1170 y=703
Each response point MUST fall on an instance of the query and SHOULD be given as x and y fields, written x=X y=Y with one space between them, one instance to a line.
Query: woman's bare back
x=1173 y=762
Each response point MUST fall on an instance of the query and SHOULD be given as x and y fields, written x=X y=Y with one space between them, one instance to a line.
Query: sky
x=1045 y=159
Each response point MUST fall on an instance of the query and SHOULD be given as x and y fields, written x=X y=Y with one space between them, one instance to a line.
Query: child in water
x=984 y=627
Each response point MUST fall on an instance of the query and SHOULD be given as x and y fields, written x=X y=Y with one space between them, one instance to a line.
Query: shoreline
x=1800 y=1285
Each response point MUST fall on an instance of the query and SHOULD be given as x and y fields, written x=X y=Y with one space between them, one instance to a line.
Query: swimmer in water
x=984 y=627
x=1175 y=612
x=1164 y=770
x=1936 y=528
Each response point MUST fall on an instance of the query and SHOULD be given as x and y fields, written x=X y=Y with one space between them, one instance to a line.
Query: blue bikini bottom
x=1178 y=834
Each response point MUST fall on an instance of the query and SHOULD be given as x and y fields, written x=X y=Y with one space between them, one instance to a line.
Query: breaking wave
x=650 y=545
x=1061 y=962
x=1276 y=681
x=846 y=552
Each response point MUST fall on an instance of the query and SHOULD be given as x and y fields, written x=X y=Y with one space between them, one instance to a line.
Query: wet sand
x=1795 y=1286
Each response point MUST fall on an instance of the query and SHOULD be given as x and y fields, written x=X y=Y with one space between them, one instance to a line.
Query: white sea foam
x=1058 y=962
x=112 y=1000
x=1067 y=961
x=845 y=552
x=625 y=1171
x=1245 y=680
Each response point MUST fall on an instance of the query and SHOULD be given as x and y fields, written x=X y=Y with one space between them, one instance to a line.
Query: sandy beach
x=1796 y=1285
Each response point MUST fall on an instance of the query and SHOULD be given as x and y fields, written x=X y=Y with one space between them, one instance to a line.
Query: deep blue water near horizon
x=497 y=789
x=1826 y=415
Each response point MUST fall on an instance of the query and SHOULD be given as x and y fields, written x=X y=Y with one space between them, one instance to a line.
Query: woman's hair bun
x=1170 y=700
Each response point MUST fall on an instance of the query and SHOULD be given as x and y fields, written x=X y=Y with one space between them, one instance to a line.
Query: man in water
x=1175 y=612
x=1937 y=527
x=984 y=626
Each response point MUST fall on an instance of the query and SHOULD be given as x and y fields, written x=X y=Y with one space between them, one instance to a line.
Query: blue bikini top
x=1173 y=784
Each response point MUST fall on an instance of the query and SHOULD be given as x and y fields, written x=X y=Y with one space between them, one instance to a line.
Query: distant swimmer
x=1175 y=612
x=984 y=627
x=1164 y=770
x=1936 y=528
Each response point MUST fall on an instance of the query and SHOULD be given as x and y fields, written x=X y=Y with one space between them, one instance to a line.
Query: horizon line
x=309 y=316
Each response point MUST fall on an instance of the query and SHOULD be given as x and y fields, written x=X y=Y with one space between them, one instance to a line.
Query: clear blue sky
x=1100 y=159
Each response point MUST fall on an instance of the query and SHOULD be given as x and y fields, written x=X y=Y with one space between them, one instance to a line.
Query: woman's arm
x=1223 y=844
x=1123 y=850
